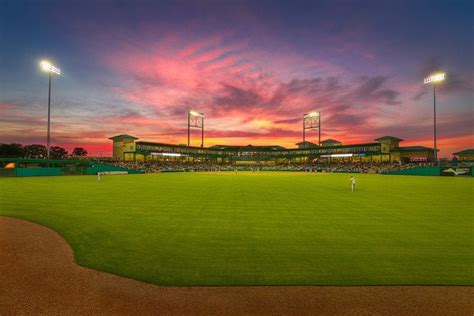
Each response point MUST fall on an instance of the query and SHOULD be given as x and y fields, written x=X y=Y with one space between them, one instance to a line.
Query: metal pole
x=304 y=134
x=48 y=137
x=319 y=130
x=189 y=132
x=434 y=118
x=202 y=132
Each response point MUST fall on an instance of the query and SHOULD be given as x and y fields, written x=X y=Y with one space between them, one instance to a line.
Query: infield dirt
x=38 y=275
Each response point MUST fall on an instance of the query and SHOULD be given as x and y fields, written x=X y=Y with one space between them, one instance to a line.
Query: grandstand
x=383 y=149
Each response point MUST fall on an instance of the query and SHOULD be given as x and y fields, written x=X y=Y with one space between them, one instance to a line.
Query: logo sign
x=418 y=158
x=456 y=171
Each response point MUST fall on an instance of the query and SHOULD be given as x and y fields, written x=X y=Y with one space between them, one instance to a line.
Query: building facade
x=465 y=155
x=384 y=149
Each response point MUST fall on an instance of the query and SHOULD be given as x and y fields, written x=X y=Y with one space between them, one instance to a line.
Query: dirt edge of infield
x=38 y=274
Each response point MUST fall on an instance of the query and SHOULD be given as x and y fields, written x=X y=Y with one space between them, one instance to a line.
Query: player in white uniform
x=353 y=183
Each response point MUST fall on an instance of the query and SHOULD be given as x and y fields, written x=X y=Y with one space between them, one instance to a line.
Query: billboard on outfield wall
x=456 y=171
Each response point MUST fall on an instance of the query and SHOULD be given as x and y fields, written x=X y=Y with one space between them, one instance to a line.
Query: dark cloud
x=372 y=89
x=448 y=126
x=354 y=120
x=238 y=98
x=302 y=86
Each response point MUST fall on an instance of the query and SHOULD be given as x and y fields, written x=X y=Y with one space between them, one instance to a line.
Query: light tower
x=50 y=69
x=195 y=119
x=433 y=79
x=311 y=121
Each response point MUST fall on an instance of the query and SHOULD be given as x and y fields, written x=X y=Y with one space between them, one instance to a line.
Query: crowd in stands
x=356 y=167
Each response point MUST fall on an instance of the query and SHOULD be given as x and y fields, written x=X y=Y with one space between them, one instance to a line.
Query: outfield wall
x=36 y=172
x=436 y=171
x=98 y=167
x=418 y=171
x=61 y=168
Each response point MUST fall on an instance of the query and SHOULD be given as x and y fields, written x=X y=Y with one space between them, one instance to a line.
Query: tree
x=79 y=151
x=12 y=150
x=35 y=151
x=57 y=152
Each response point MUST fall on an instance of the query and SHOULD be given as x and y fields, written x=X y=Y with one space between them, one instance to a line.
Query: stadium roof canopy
x=411 y=148
x=248 y=147
x=310 y=144
x=388 y=138
x=330 y=141
x=121 y=136
x=465 y=152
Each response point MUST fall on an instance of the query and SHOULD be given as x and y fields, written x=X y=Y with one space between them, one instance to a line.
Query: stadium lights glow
x=194 y=122
x=166 y=154
x=434 y=78
x=48 y=67
x=194 y=113
x=312 y=114
x=310 y=121
x=337 y=155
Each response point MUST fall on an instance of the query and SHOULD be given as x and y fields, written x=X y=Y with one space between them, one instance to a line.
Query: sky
x=252 y=67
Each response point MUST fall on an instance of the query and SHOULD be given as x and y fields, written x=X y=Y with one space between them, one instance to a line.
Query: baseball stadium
x=243 y=217
x=239 y=157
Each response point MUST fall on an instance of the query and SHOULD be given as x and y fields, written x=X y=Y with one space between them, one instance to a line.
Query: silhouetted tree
x=12 y=150
x=79 y=151
x=57 y=152
x=35 y=151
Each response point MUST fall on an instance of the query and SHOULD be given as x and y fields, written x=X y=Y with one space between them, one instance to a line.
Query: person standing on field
x=98 y=176
x=353 y=184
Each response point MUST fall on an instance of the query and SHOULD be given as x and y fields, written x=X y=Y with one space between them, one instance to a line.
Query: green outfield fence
x=43 y=167
x=98 y=167
x=454 y=170
x=418 y=171
x=35 y=172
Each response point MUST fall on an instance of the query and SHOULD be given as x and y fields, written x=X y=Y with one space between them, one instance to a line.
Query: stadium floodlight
x=434 y=79
x=49 y=68
x=194 y=113
x=312 y=114
x=196 y=119
x=310 y=121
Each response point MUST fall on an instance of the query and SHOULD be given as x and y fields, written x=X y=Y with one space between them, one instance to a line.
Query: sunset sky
x=252 y=67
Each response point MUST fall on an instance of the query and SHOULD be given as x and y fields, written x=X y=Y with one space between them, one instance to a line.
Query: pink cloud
x=237 y=88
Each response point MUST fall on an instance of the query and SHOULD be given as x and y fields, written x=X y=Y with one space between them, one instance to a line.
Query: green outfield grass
x=258 y=228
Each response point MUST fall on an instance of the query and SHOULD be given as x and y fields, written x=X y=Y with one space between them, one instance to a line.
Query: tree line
x=38 y=151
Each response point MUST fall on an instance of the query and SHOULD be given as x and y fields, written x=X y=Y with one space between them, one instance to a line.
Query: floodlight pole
x=434 y=118
x=319 y=129
x=433 y=79
x=310 y=116
x=47 y=66
x=195 y=119
x=48 y=137
x=189 y=127
x=304 y=131
x=202 y=132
